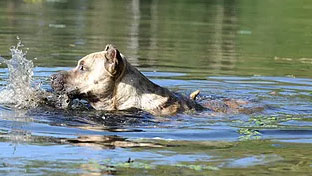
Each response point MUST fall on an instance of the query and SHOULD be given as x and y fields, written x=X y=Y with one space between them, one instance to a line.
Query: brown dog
x=109 y=82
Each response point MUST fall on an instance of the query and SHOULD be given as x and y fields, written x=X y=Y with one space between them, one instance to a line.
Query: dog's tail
x=194 y=94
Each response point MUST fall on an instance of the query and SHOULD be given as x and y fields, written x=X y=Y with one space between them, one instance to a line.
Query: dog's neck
x=135 y=90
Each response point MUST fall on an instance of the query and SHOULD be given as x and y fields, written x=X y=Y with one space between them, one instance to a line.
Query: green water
x=258 y=50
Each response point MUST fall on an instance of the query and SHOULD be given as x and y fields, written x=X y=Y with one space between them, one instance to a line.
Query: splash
x=20 y=90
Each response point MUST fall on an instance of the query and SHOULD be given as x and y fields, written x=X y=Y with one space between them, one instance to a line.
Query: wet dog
x=109 y=82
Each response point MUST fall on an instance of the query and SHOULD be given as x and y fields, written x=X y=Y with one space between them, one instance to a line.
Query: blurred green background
x=200 y=38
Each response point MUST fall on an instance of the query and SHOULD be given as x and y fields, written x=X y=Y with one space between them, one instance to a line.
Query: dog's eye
x=81 y=68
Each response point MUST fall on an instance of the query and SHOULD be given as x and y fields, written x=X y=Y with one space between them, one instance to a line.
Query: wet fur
x=112 y=83
x=109 y=82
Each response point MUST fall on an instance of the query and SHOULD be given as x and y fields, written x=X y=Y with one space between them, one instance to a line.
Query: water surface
x=252 y=50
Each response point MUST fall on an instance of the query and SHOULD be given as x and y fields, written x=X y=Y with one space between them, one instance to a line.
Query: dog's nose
x=58 y=77
x=53 y=77
x=57 y=81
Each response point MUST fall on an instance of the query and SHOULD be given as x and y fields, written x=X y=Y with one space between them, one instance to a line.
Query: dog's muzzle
x=58 y=81
x=60 y=86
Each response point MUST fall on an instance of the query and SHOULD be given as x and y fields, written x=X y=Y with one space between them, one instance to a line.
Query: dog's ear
x=113 y=58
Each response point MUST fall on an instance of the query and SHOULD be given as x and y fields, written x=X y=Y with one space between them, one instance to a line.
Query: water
x=253 y=50
x=19 y=90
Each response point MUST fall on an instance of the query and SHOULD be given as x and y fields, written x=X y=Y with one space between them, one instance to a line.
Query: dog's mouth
x=75 y=94
x=71 y=93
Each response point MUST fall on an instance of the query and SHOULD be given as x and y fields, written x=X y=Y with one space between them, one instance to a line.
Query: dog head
x=94 y=76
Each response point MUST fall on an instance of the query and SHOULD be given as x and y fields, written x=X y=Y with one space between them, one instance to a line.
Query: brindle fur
x=109 y=82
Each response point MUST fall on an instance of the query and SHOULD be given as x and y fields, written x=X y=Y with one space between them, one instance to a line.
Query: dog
x=109 y=82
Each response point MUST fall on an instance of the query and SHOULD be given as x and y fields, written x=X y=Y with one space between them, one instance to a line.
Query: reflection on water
x=253 y=50
x=199 y=38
